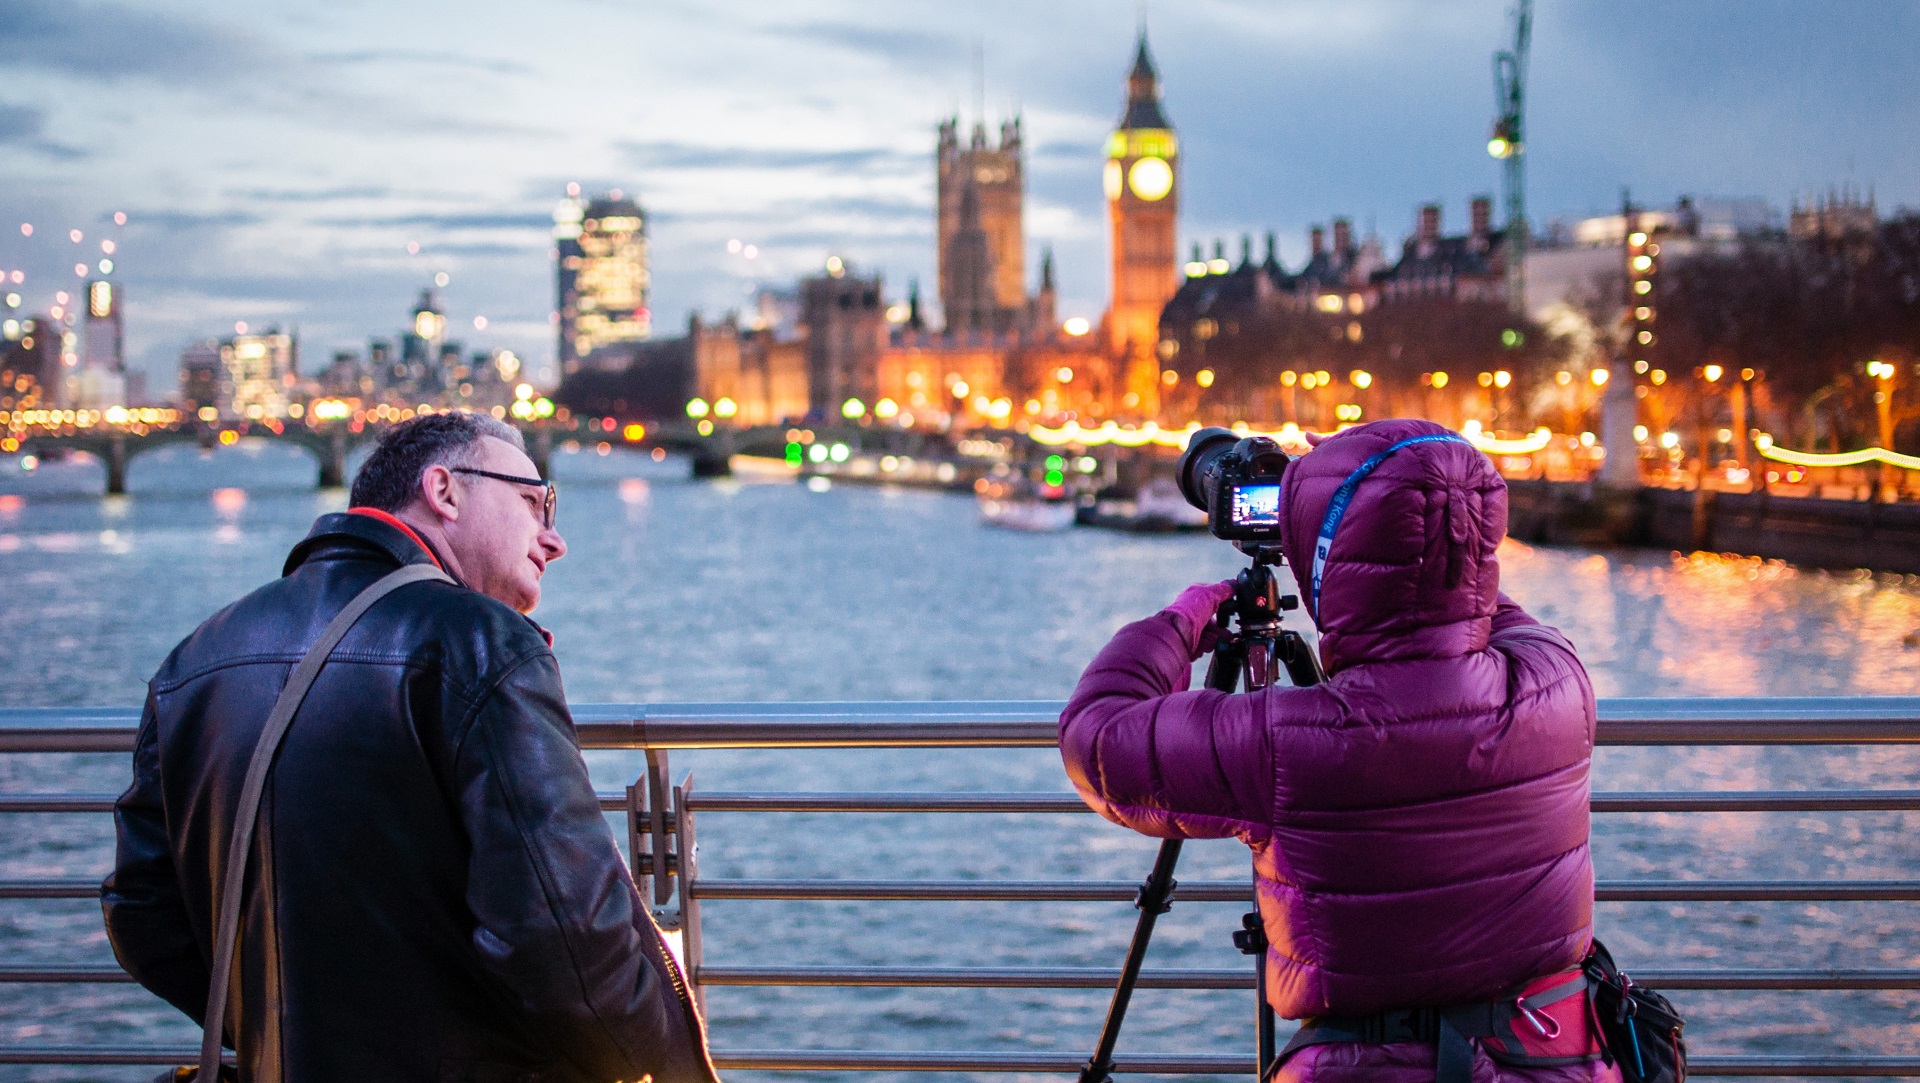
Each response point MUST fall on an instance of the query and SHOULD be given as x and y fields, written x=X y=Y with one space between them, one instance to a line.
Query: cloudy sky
x=275 y=160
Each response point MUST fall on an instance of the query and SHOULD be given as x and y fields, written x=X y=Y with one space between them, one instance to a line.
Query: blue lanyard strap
x=1343 y=496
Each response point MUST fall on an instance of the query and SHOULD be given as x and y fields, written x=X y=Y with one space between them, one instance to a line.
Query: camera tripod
x=1247 y=655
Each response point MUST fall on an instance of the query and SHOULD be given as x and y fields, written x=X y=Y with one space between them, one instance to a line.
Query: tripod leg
x=1155 y=899
x=1263 y=1025
x=1252 y=940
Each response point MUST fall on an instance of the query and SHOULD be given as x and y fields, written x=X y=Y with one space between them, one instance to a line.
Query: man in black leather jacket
x=433 y=892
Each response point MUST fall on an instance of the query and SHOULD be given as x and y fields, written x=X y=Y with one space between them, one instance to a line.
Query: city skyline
x=285 y=184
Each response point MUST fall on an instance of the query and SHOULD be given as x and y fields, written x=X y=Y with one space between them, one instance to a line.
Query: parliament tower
x=1142 y=182
x=982 y=240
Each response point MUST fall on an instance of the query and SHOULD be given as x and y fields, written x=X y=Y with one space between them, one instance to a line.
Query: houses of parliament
x=999 y=355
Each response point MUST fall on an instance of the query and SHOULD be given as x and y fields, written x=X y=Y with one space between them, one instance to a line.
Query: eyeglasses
x=553 y=495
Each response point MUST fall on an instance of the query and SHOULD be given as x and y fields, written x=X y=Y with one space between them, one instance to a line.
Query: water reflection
x=1712 y=625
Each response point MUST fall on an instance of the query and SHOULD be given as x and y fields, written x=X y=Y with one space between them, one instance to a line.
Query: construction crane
x=1508 y=144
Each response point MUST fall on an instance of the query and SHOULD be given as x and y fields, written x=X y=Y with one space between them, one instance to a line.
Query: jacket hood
x=1411 y=571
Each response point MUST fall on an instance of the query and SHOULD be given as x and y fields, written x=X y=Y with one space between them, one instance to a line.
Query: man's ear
x=441 y=493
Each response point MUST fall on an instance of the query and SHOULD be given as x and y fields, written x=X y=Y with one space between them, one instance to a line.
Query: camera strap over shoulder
x=1343 y=496
x=247 y=813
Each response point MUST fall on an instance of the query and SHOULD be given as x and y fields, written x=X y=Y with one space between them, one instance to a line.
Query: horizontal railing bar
x=847 y=1060
x=61 y=888
x=972 y=977
x=63 y=975
x=861 y=1060
x=1062 y=977
x=103 y=1054
x=1239 y=892
x=1066 y=977
x=1043 y=801
x=56 y=802
x=1651 y=801
x=1124 y=890
x=922 y=801
x=1011 y=724
x=1759 y=801
x=857 y=1060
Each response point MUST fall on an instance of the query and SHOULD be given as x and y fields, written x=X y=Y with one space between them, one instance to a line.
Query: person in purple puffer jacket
x=1419 y=821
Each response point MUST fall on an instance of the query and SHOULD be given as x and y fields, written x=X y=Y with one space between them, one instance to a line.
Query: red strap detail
x=394 y=521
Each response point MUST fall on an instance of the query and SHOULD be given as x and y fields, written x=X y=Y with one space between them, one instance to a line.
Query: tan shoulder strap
x=227 y=932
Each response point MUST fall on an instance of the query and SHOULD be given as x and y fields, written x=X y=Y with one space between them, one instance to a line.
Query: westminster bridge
x=116 y=444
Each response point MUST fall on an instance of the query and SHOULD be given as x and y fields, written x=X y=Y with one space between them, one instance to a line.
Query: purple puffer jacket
x=1418 y=821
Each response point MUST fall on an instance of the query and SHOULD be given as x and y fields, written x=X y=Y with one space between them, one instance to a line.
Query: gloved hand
x=1193 y=613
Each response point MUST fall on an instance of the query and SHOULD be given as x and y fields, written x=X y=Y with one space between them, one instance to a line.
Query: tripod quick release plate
x=1251 y=937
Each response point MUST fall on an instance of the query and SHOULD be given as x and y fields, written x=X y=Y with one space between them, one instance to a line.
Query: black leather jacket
x=433 y=892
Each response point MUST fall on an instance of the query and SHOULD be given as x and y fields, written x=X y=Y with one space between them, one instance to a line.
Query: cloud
x=462 y=220
x=489 y=65
x=662 y=155
x=312 y=195
x=176 y=221
x=896 y=45
x=110 y=42
x=23 y=125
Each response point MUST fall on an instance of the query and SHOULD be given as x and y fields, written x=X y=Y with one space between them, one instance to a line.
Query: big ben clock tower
x=1142 y=175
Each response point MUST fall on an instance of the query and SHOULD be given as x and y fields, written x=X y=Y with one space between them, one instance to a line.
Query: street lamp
x=1882 y=373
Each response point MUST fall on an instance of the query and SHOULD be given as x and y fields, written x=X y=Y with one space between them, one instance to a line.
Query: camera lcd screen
x=1256 y=505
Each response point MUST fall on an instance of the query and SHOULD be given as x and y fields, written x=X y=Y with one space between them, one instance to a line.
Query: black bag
x=1641 y=1028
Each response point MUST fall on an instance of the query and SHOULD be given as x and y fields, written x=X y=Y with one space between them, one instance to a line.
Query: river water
x=682 y=591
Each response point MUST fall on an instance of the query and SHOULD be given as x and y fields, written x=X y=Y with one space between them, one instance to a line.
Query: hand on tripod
x=1194 y=614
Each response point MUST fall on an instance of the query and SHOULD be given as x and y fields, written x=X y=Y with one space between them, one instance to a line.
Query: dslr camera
x=1236 y=481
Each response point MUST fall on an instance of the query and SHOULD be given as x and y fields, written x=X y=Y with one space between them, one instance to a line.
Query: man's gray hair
x=390 y=478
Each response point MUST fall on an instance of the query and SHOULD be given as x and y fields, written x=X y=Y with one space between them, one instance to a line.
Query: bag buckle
x=1550 y=1029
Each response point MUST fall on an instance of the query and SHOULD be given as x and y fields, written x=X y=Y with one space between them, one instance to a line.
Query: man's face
x=500 y=541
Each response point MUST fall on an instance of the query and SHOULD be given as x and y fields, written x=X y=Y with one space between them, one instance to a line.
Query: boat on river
x=1158 y=508
x=1017 y=504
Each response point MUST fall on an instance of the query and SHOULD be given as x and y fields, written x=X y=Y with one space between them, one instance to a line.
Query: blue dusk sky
x=275 y=160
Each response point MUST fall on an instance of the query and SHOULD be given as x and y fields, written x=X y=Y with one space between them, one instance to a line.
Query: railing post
x=687 y=849
x=650 y=821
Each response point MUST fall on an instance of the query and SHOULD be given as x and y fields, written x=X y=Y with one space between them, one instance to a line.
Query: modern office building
x=604 y=280
x=204 y=380
x=29 y=363
x=262 y=371
x=100 y=380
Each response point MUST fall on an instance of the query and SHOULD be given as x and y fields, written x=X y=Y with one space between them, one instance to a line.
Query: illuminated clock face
x=1150 y=178
x=1111 y=181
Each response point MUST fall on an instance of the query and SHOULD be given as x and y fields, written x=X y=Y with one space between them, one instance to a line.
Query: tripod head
x=1258 y=603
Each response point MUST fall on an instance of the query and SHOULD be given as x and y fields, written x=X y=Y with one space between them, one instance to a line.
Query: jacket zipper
x=684 y=992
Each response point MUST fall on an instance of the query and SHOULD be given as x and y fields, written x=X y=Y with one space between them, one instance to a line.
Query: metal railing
x=661 y=832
